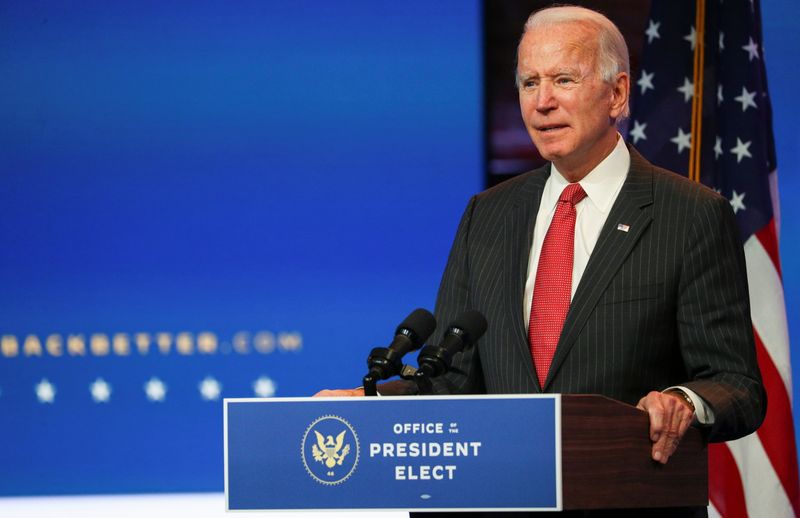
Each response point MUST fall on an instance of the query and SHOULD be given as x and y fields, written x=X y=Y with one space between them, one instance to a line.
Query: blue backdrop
x=204 y=201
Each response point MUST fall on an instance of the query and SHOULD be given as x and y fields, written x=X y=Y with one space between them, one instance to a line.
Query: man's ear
x=620 y=92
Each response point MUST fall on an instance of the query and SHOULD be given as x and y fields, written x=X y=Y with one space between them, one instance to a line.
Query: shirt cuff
x=703 y=413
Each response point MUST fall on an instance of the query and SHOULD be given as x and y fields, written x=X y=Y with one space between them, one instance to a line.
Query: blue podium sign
x=394 y=453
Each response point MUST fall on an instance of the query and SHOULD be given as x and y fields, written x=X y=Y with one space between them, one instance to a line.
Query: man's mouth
x=549 y=128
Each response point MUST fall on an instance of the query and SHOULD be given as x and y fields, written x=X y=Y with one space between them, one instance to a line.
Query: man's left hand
x=670 y=417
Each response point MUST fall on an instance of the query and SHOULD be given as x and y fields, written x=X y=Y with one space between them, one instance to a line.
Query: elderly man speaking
x=601 y=273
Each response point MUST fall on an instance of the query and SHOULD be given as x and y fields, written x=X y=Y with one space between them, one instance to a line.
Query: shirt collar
x=601 y=184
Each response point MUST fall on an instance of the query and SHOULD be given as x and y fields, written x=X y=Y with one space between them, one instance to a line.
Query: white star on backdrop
x=747 y=99
x=638 y=131
x=155 y=389
x=652 y=31
x=752 y=49
x=717 y=148
x=721 y=40
x=101 y=391
x=691 y=37
x=264 y=387
x=45 y=391
x=683 y=140
x=719 y=95
x=687 y=89
x=209 y=388
x=741 y=150
x=737 y=202
x=646 y=81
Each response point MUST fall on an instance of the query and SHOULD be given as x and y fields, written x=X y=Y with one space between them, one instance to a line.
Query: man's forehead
x=566 y=36
x=557 y=52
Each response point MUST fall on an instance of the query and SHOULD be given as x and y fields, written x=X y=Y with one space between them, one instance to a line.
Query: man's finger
x=678 y=418
x=340 y=393
x=652 y=405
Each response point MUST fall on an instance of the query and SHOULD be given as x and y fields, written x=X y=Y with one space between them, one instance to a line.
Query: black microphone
x=413 y=331
x=462 y=333
x=385 y=362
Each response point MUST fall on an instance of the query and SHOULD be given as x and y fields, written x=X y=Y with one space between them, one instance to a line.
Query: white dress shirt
x=602 y=186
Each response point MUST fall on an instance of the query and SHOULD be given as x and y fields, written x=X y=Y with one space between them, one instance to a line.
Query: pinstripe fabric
x=665 y=303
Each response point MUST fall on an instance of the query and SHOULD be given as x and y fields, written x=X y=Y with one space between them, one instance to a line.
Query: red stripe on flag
x=777 y=432
x=724 y=482
x=769 y=240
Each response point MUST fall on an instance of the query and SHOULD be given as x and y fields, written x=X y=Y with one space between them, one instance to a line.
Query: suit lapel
x=612 y=248
x=520 y=222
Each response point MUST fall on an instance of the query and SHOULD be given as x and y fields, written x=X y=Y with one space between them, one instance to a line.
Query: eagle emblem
x=327 y=450
x=330 y=450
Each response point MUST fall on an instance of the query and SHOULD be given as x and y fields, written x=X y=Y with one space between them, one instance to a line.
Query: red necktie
x=553 y=287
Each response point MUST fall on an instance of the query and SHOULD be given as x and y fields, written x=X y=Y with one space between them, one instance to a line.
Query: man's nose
x=545 y=99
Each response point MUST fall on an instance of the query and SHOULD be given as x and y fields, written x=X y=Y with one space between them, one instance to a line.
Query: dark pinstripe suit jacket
x=664 y=303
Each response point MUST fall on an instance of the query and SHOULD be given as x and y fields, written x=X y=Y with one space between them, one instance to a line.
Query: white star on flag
x=638 y=132
x=155 y=389
x=717 y=148
x=691 y=37
x=747 y=99
x=719 y=94
x=264 y=387
x=100 y=390
x=721 y=40
x=209 y=388
x=741 y=150
x=652 y=31
x=737 y=202
x=645 y=81
x=45 y=391
x=687 y=89
x=683 y=140
x=752 y=49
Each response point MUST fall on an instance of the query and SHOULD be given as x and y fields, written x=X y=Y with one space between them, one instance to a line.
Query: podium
x=453 y=453
x=605 y=451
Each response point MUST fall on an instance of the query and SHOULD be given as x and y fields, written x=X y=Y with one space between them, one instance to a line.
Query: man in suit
x=657 y=309
x=601 y=273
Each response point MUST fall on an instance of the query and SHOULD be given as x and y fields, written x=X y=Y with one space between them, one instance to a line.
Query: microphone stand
x=383 y=363
x=433 y=362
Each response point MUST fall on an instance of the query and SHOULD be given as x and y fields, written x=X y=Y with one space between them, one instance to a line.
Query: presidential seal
x=330 y=450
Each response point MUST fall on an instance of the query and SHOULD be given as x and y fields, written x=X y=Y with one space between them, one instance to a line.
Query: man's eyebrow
x=569 y=71
x=573 y=71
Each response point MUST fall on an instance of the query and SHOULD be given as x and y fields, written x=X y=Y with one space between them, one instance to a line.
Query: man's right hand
x=341 y=392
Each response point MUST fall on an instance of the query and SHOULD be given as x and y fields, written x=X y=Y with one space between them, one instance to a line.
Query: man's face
x=569 y=111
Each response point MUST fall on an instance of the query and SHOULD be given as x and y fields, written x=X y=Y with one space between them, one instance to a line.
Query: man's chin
x=550 y=153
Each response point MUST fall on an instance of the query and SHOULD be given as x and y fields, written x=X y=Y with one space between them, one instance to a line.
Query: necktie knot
x=573 y=194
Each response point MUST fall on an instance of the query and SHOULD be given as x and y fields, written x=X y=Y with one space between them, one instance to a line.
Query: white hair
x=612 y=50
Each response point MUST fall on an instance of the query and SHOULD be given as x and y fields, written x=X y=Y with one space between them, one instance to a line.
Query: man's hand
x=670 y=417
x=340 y=392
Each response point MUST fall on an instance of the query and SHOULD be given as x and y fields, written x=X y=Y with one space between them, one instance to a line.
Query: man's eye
x=564 y=80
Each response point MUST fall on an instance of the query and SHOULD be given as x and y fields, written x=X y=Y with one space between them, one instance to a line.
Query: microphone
x=413 y=331
x=385 y=362
x=462 y=333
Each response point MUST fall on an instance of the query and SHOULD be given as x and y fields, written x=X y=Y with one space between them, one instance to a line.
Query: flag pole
x=697 y=98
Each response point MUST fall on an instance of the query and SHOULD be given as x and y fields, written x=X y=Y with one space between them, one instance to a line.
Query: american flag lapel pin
x=623 y=227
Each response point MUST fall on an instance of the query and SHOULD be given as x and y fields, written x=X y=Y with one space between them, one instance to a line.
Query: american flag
x=706 y=57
